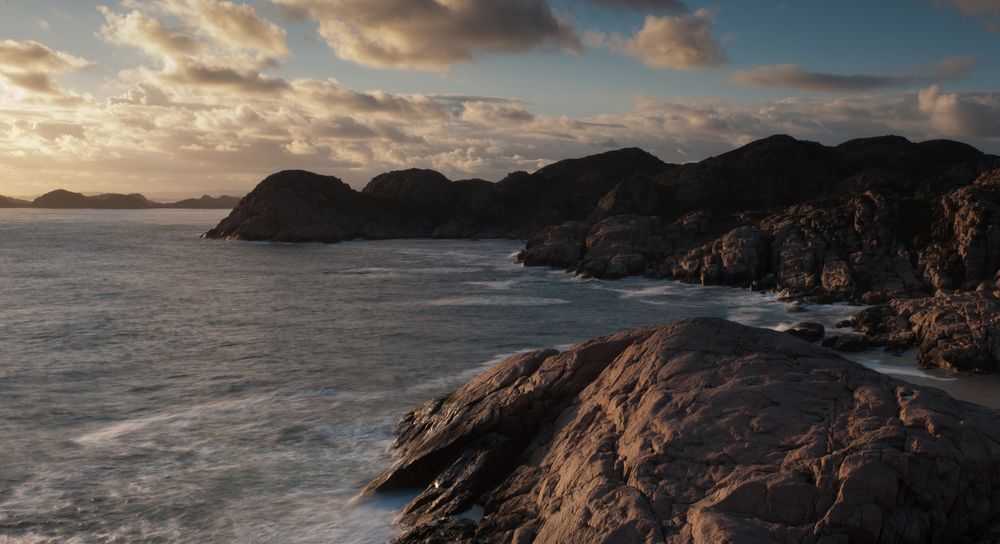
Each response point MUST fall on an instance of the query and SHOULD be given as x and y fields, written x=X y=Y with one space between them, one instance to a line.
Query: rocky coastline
x=700 y=431
x=910 y=229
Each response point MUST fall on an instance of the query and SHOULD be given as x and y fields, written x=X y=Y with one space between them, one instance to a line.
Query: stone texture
x=952 y=331
x=700 y=431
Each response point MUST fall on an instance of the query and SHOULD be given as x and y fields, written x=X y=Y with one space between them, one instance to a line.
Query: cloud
x=681 y=42
x=222 y=48
x=197 y=74
x=671 y=6
x=31 y=56
x=231 y=24
x=793 y=76
x=146 y=33
x=962 y=116
x=29 y=66
x=434 y=34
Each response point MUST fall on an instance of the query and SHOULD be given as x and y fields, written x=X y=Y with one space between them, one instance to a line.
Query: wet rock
x=849 y=343
x=697 y=431
x=810 y=332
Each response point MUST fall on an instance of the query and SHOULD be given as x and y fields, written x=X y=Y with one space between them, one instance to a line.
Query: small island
x=62 y=199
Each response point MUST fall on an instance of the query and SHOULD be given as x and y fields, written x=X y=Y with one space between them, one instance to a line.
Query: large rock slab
x=700 y=431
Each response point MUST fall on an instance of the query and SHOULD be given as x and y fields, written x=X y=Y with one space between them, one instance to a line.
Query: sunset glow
x=184 y=97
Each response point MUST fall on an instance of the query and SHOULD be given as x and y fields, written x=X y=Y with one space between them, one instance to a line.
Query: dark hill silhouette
x=63 y=199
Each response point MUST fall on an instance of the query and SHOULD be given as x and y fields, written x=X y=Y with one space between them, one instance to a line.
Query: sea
x=158 y=388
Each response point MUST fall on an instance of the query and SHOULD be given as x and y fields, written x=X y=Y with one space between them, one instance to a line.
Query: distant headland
x=63 y=199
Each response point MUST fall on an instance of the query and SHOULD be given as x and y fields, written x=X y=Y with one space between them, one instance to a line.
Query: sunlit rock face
x=701 y=431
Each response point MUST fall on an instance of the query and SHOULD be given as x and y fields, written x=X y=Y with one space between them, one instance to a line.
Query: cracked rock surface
x=701 y=431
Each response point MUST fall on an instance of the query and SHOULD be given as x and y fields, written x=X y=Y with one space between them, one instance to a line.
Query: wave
x=497 y=300
x=501 y=285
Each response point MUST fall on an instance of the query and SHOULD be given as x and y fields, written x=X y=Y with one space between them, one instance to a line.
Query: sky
x=177 y=98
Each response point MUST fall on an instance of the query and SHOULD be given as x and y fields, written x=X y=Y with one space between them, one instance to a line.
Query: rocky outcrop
x=423 y=203
x=869 y=221
x=952 y=331
x=700 y=431
x=298 y=206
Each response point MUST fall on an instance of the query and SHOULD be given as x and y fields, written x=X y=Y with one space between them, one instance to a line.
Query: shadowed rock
x=699 y=431
x=810 y=332
x=298 y=206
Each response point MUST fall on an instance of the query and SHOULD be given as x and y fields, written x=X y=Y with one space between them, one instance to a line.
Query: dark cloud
x=434 y=34
x=30 y=66
x=190 y=72
x=793 y=76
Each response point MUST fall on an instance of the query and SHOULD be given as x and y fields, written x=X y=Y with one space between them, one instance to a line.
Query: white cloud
x=962 y=116
x=681 y=42
x=231 y=24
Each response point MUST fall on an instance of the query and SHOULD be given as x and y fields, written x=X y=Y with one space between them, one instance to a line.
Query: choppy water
x=155 y=387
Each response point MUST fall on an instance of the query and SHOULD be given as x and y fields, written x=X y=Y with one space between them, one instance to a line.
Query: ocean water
x=155 y=387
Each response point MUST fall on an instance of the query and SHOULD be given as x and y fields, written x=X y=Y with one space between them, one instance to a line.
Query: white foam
x=496 y=300
x=496 y=285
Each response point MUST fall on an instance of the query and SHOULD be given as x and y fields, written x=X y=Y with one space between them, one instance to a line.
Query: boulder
x=557 y=246
x=849 y=343
x=810 y=332
x=698 y=431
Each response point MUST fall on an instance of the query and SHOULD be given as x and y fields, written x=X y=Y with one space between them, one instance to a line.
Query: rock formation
x=869 y=221
x=952 y=331
x=700 y=431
